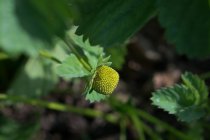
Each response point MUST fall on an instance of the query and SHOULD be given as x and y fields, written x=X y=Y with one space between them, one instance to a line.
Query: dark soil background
x=150 y=63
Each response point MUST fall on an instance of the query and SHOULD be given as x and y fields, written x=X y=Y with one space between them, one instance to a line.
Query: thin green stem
x=144 y=115
x=47 y=55
x=61 y=107
x=91 y=112
x=138 y=125
x=123 y=123
x=77 y=54
x=150 y=132
x=156 y=121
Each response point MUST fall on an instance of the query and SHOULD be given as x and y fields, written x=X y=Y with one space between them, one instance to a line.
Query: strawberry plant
x=46 y=46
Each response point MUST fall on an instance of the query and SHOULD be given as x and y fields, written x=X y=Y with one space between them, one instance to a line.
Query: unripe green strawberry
x=105 y=80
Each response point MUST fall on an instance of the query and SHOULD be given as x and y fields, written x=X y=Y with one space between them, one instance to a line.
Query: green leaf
x=117 y=53
x=187 y=24
x=60 y=51
x=111 y=22
x=187 y=101
x=198 y=85
x=29 y=25
x=71 y=67
x=191 y=113
x=12 y=130
x=173 y=98
x=94 y=96
x=93 y=53
x=35 y=79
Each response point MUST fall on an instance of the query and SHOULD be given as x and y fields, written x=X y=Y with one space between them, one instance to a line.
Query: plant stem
x=91 y=112
x=49 y=56
x=150 y=132
x=77 y=54
x=156 y=121
x=61 y=107
x=123 y=123
x=144 y=115
x=138 y=125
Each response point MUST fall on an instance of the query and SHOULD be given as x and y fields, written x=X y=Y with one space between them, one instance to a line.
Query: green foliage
x=35 y=79
x=34 y=28
x=71 y=67
x=94 y=96
x=118 y=53
x=30 y=25
x=77 y=64
x=91 y=53
x=187 y=101
x=197 y=85
x=187 y=24
x=12 y=130
x=111 y=22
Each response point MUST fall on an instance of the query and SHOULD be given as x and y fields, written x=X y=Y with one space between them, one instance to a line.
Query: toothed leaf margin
x=187 y=101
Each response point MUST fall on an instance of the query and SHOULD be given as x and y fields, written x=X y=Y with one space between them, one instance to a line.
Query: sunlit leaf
x=29 y=25
x=92 y=53
x=71 y=67
x=35 y=79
